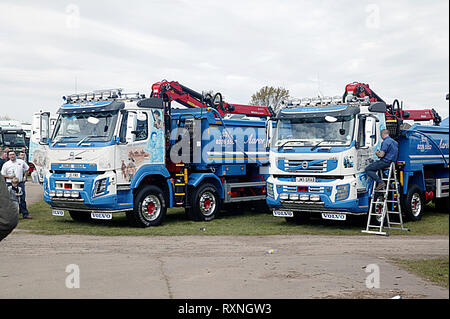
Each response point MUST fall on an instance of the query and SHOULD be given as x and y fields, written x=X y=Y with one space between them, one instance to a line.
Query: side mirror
x=44 y=129
x=131 y=127
x=269 y=130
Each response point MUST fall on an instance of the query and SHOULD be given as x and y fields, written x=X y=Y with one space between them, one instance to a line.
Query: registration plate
x=283 y=213
x=73 y=175
x=57 y=212
x=334 y=216
x=305 y=179
x=101 y=215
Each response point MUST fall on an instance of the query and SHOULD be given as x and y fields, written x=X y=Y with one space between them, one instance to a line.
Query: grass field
x=245 y=222
x=434 y=270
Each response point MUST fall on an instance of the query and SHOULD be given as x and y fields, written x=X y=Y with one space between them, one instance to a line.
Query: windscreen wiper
x=61 y=138
x=289 y=141
x=86 y=137
x=317 y=145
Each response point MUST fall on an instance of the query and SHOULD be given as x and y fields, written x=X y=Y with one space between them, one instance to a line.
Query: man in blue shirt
x=387 y=155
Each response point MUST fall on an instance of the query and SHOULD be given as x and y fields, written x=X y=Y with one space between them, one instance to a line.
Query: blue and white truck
x=113 y=152
x=320 y=148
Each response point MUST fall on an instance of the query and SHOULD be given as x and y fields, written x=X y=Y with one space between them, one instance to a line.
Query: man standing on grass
x=16 y=167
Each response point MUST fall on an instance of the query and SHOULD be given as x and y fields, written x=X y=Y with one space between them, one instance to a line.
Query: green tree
x=270 y=96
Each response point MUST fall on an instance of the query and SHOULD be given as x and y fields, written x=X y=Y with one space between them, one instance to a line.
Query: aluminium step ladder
x=384 y=205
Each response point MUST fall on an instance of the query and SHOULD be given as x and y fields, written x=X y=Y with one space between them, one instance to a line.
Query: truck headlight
x=293 y=196
x=314 y=198
x=100 y=186
x=284 y=196
x=74 y=194
x=59 y=193
x=304 y=197
x=342 y=192
x=51 y=193
x=66 y=194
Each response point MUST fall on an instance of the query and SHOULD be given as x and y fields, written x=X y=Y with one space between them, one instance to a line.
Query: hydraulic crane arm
x=174 y=91
x=395 y=110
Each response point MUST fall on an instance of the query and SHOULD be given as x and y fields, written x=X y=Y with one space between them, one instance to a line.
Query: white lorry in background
x=27 y=128
x=12 y=136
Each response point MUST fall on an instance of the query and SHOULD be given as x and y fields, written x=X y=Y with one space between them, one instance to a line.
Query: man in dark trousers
x=3 y=158
x=9 y=213
x=387 y=155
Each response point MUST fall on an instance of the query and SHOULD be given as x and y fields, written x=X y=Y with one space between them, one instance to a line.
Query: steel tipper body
x=120 y=154
x=227 y=161
x=423 y=167
x=318 y=155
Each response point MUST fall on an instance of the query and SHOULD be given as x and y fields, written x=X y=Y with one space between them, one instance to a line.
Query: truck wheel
x=79 y=216
x=207 y=203
x=149 y=207
x=413 y=203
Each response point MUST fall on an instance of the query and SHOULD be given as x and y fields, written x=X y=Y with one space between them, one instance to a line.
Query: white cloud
x=234 y=47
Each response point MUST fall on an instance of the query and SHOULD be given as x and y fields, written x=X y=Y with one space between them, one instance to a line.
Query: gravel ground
x=34 y=266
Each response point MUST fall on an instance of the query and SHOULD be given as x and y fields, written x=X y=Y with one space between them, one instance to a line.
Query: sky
x=49 y=49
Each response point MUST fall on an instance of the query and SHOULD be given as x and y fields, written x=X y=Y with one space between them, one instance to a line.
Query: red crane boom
x=174 y=91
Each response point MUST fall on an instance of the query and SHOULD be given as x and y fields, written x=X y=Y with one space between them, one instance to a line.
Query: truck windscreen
x=311 y=131
x=13 y=139
x=86 y=127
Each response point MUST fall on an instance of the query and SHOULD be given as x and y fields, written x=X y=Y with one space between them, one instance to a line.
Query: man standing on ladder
x=387 y=155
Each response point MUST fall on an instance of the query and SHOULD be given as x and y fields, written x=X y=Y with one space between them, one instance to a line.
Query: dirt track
x=34 y=266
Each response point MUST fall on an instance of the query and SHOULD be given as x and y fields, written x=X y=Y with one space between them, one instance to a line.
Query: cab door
x=38 y=148
x=367 y=142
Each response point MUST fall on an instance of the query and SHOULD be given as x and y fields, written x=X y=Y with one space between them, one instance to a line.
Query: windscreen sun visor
x=100 y=106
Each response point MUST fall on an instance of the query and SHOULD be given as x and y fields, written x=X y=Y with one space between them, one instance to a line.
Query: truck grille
x=302 y=207
x=305 y=166
x=270 y=190
x=289 y=188
x=68 y=185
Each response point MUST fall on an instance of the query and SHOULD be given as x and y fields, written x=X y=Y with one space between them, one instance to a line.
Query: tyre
x=149 y=207
x=206 y=203
x=413 y=203
x=79 y=216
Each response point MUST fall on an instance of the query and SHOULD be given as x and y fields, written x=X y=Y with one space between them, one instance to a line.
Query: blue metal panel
x=147 y=170
x=230 y=170
x=69 y=167
x=196 y=178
